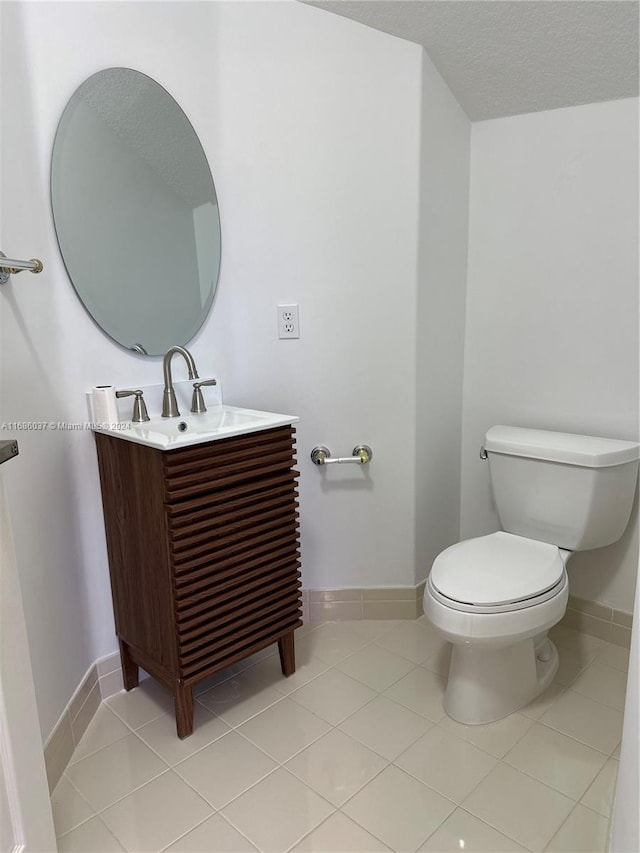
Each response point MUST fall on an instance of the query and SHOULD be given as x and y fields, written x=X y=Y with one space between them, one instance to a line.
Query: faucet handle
x=197 y=401
x=140 y=414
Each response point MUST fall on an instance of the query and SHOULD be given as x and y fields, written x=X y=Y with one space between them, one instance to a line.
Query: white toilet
x=495 y=597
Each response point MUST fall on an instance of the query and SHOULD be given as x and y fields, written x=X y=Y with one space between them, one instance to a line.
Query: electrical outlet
x=288 y=322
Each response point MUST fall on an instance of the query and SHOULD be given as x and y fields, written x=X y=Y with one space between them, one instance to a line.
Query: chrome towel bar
x=321 y=455
x=9 y=266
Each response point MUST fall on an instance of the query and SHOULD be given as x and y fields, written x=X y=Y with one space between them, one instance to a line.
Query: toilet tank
x=573 y=491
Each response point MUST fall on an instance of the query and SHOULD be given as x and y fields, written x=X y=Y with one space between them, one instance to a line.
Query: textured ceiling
x=504 y=57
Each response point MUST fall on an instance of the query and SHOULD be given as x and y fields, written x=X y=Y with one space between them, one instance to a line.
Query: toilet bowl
x=496 y=596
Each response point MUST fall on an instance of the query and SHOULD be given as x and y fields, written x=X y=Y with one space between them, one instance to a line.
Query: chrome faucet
x=169 y=402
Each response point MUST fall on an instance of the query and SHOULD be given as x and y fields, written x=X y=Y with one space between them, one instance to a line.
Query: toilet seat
x=511 y=607
x=497 y=573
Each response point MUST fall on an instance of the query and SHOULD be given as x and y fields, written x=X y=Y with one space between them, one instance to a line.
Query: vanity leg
x=287 y=654
x=183 y=703
x=129 y=668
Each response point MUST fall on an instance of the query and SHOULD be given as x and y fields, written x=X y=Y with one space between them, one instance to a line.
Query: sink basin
x=208 y=422
x=216 y=423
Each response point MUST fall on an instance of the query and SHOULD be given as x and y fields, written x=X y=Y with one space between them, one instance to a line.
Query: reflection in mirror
x=135 y=211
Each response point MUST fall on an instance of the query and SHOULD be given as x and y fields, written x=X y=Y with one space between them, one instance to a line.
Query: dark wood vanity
x=203 y=555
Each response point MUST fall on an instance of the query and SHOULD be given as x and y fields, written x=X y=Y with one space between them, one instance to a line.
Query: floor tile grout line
x=564 y=822
x=390 y=764
x=388 y=686
x=96 y=751
x=351 y=796
x=367 y=745
x=113 y=743
x=595 y=811
x=187 y=757
x=460 y=739
x=75 y=826
x=424 y=840
x=333 y=807
x=105 y=827
x=84 y=799
x=286 y=770
x=420 y=663
x=440 y=793
x=498 y=829
x=78 y=791
x=513 y=745
x=122 y=719
x=236 y=726
x=237 y=829
x=313 y=678
x=355 y=820
x=548 y=784
x=426 y=785
x=598 y=659
x=583 y=742
x=348 y=716
x=379 y=754
x=597 y=701
x=102 y=810
x=222 y=817
x=333 y=665
x=195 y=826
x=297 y=752
x=412 y=711
x=614 y=646
x=486 y=823
x=307 y=834
x=72 y=763
x=244 y=790
x=613 y=793
x=338 y=810
x=148 y=782
x=215 y=809
x=189 y=785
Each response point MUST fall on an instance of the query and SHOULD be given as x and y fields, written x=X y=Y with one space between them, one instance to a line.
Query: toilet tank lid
x=586 y=450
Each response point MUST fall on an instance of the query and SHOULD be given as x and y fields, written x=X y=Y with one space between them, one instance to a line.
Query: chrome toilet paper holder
x=361 y=455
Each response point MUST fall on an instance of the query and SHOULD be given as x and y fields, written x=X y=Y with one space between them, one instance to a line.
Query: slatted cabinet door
x=228 y=581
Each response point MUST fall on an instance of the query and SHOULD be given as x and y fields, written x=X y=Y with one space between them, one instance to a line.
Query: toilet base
x=487 y=684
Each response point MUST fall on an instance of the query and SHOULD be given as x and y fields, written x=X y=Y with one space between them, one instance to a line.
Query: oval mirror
x=135 y=211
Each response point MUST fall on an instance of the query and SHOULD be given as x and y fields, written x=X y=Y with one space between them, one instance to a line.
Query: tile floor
x=352 y=753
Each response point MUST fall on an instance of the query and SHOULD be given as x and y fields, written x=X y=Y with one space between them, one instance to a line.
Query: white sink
x=185 y=430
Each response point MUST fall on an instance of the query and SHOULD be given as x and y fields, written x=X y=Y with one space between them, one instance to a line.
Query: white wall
x=311 y=124
x=442 y=280
x=318 y=151
x=552 y=307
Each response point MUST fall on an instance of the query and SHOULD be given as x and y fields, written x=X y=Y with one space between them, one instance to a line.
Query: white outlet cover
x=288 y=321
